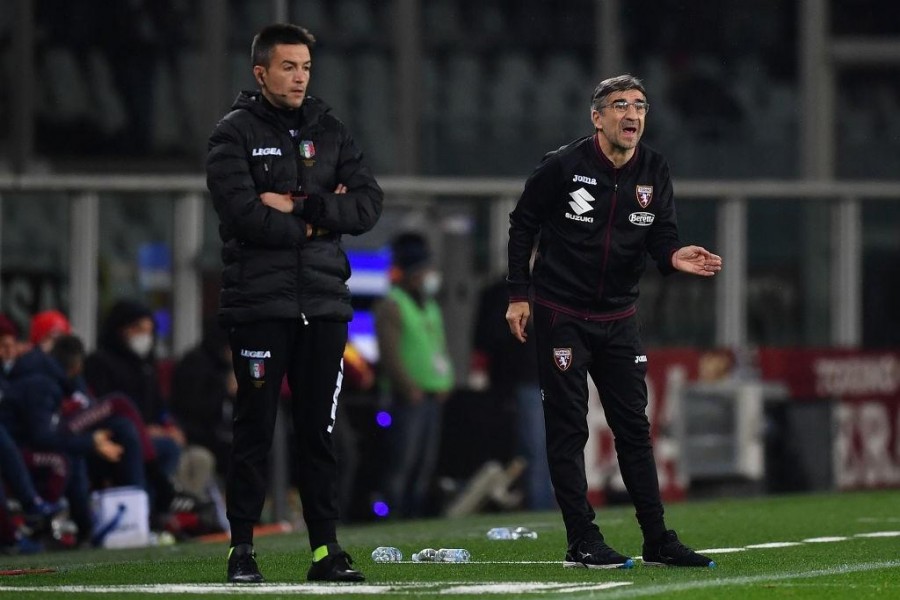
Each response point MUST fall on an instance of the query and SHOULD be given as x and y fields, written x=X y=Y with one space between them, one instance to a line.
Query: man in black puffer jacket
x=287 y=181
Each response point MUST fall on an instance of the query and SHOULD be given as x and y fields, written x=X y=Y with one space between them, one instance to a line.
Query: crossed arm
x=284 y=203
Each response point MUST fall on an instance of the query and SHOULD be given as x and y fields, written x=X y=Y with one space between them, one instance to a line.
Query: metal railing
x=844 y=201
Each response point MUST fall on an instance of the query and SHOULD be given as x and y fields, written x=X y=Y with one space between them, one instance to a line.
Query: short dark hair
x=410 y=251
x=620 y=83
x=68 y=350
x=272 y=35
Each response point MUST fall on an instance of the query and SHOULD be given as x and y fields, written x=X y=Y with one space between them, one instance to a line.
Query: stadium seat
x=313 y=15
x=374 y=79
x=564 y=107
x=331 y=82
x=461 y=94
x=511 y=95
x=441 y=19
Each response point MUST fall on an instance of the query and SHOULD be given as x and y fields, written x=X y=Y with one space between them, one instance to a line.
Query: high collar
x=310 y=111
x=604 y=160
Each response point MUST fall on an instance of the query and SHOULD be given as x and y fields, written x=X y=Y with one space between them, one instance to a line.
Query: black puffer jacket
x=271 y=270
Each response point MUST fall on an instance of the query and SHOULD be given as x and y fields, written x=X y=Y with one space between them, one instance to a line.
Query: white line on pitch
x=754 y=579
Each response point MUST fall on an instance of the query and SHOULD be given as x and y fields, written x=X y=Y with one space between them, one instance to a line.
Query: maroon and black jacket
x=596 y=223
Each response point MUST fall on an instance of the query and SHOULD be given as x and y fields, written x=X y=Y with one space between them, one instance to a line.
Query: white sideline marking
x=879 y=520
x=465 y=587
x=312 y=589
x=753 y=579
x=525 y=587
x=485 y=562
x=878 y=534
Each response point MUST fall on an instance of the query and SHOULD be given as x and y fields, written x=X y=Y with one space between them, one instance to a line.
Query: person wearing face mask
x=124 y=364
x=417 y=371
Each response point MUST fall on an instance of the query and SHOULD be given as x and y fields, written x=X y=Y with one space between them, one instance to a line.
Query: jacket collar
x=312 y=109
x=608 y=164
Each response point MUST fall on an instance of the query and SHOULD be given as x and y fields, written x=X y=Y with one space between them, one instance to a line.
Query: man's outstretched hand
x=697 y=261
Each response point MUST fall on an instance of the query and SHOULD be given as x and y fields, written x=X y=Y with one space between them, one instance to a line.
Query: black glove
x=309 y=207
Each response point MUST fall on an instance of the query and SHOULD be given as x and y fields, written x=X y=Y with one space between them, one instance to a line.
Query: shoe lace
x=593 y=548
x=245 y=558
x=675 y=549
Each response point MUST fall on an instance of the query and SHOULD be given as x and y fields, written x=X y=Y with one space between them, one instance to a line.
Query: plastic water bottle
x=452 y=555
x=523 y=533
x=507 y=533
x=425 y=555
x=383 y=554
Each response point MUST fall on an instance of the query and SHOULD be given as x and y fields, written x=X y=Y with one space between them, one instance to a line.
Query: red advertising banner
x=866 y=388
x=864 y=385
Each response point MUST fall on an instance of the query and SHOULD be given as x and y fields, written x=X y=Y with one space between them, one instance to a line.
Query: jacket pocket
x=261 y=172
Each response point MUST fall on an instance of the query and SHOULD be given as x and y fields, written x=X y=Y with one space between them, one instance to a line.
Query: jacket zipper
x=293 y=150
x=609 y=224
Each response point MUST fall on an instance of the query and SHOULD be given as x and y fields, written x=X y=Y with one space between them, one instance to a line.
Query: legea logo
x=256 y=354
x=642 y=219
x=267 y=151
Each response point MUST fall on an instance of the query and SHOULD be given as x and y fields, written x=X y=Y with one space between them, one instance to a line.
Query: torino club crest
x=644 y=194
x=563 y=358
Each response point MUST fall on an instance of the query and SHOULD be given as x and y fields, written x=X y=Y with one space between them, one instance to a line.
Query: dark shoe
x=242 y=566
x=595 y=554
x=26 y=545
x=335 y=566
x=670 y=552
x=39 y=516
x=48 y=510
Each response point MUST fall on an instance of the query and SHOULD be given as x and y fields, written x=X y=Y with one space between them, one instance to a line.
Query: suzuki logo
x=581 y=200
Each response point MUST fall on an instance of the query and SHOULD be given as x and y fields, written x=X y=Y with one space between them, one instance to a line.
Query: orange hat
x=47 y=323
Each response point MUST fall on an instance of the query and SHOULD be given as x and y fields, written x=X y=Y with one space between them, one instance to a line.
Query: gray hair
x=620 y=83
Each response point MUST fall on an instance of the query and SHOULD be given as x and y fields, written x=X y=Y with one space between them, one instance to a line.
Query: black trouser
x=568 y=350
x=311 y=357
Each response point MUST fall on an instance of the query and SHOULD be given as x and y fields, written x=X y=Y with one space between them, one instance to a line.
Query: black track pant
x=311 y=356
x=610 y=351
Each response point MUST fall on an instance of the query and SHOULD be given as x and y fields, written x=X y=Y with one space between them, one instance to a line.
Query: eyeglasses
x=621 y=106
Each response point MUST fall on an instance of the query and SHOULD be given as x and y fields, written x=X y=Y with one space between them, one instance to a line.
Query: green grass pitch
x=834 y=546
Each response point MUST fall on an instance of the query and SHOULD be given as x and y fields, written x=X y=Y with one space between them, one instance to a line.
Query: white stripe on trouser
x=337 y=391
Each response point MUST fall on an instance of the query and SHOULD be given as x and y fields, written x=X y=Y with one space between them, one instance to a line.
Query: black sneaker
x=670 y=552
x=242 y=566
x=595 y=554
x=335 y=566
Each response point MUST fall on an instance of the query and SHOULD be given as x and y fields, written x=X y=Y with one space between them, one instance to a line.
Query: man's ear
x=259 y=72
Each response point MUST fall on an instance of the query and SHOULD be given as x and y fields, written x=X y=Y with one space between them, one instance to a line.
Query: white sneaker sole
x=579 y=565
